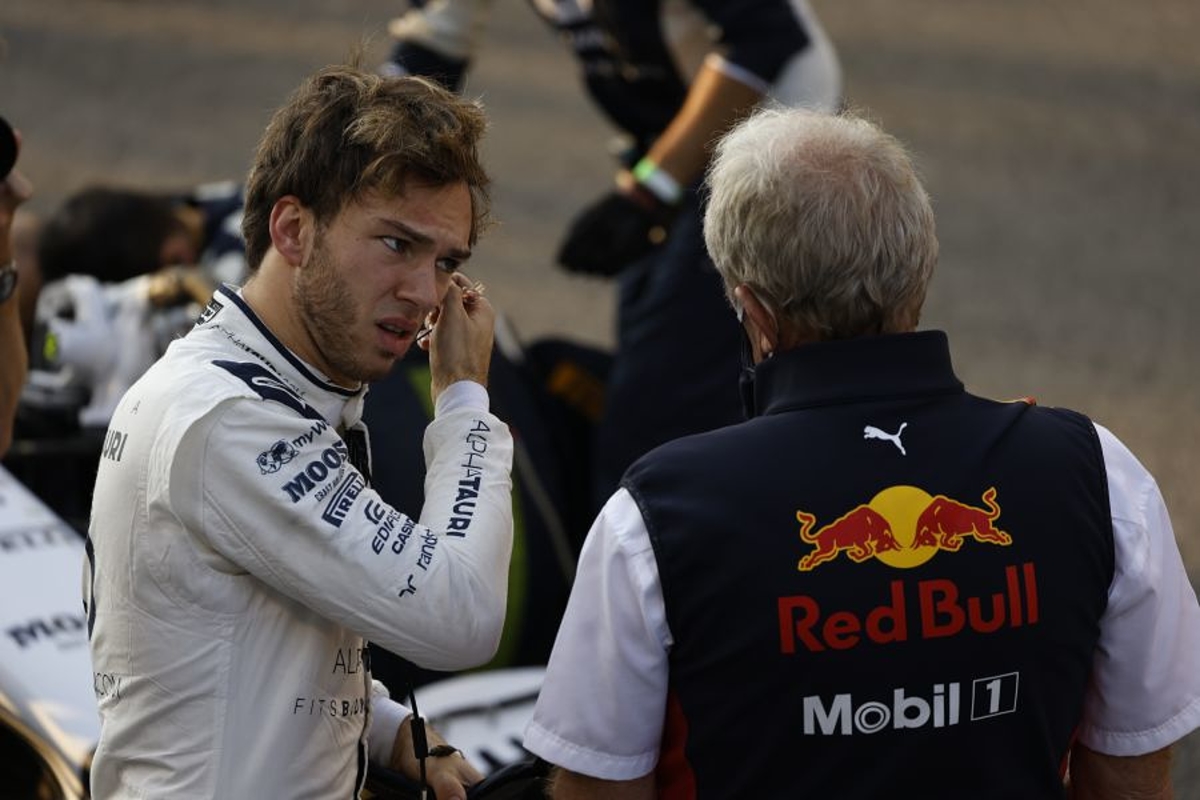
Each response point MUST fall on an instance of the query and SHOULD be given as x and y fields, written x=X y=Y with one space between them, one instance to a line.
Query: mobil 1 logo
x=940 y=705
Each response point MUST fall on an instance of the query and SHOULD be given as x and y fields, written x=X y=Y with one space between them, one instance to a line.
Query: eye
x=396 y=244
x=449 y=265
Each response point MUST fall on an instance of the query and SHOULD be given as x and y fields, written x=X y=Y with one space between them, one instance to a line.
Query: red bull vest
x=879 y=585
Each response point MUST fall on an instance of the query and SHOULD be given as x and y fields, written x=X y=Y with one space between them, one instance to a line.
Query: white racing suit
x=240 y=563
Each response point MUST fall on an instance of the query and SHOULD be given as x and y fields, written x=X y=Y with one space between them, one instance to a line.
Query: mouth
x=396 y=336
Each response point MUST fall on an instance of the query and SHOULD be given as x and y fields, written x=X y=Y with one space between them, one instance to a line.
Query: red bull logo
x=932 y=609
x=903 y=527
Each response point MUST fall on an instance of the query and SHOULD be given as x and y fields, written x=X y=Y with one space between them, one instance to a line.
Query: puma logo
x=871 y=432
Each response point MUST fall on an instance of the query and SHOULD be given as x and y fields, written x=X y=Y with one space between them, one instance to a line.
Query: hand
x=460 y=339
x=178 y=285
x=617 y=230
x=450 y=775
x=447 y=775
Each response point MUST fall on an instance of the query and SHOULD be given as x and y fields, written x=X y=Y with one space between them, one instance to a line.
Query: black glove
x=409 y=58
x=615 y=231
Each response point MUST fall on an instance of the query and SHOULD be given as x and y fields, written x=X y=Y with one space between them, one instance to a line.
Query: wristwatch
x=8 y=280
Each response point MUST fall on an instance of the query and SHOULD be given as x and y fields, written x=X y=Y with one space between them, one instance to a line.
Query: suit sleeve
x=758 y=37
x=386 y=718
x=275 y=495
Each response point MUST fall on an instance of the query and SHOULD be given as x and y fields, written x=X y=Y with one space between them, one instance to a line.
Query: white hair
x=825 y=217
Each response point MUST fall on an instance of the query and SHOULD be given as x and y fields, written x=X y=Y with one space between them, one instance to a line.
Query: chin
x=375 y=372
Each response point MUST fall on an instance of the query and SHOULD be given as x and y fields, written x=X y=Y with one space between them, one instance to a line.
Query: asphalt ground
x=1060 y=140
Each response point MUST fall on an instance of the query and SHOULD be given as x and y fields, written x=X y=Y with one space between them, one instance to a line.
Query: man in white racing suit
x=239 y=560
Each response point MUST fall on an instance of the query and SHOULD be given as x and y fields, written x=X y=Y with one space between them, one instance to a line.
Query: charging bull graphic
x=902 y=526
x=945 y=522
x=860 y=534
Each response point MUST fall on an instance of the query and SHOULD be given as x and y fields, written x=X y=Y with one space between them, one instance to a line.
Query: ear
x=759 y=320
x=291 y=229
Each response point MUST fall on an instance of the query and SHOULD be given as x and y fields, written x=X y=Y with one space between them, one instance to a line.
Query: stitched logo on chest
x=871 y=432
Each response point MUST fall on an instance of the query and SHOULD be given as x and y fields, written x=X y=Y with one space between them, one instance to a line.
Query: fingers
x=15 y=189
x=467 y=771
x=422 y=337
x=450 y=775
x=462 y=293
x=470 y=292
x=461 y=342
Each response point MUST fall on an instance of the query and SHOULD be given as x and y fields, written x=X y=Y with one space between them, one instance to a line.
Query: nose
x=425 y=285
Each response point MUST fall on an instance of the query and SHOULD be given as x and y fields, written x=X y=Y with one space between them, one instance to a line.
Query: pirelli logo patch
x=342 y=499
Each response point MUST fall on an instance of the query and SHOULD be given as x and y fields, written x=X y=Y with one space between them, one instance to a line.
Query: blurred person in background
x=880 y=585
x=122 y=273
x=109 y=278
x=115 y=233
x=672 y=76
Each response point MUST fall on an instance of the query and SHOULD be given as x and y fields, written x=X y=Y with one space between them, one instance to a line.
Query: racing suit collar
x=230 y=312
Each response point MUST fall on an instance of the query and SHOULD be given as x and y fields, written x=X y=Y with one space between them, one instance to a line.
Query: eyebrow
x=422 y=238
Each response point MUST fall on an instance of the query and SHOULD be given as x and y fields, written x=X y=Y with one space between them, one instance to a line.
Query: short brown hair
x=345 y=132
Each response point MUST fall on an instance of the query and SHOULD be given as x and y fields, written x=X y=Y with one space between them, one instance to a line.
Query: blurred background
x=1060 y=141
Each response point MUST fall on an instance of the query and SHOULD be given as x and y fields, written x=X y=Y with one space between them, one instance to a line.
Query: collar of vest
x=855 y=370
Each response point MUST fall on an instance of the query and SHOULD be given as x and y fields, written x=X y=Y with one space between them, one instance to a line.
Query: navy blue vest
x=879 y=585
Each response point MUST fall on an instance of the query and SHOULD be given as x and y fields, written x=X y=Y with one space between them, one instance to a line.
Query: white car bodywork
x=46 y=693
